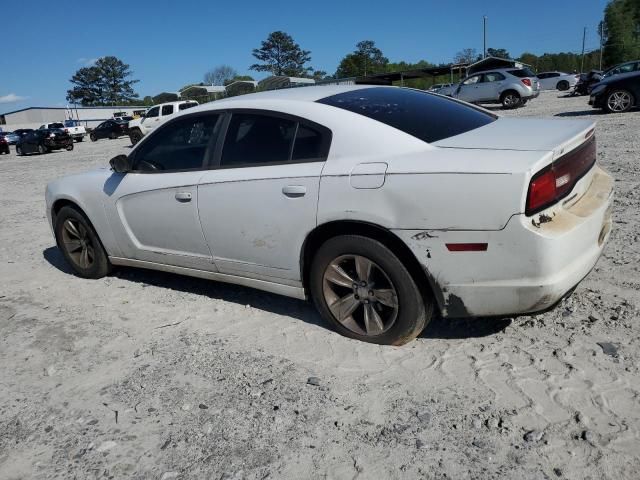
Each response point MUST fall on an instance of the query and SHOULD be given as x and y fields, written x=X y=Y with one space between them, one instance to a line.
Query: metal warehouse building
x=33 y=117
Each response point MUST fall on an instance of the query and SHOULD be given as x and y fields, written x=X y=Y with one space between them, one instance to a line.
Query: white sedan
x=557 y=80
x=382 y=204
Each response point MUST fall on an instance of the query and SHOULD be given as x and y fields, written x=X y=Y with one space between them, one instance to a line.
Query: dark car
x=4 y=145
x=44 y=141
x=21 y=132
x=586 y=82
x=109 y=129
x=617 y=94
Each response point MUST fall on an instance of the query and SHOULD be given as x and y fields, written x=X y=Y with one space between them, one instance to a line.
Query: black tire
x=97 y=265
x=93 y=137
x=42 y=149
x=510 y=99
x=19 y=151
x=135 y=136
x=628 y=105
x=113 y=136
x=563 y=85
x=69 y=147
x=413 y=311
x=79 y=139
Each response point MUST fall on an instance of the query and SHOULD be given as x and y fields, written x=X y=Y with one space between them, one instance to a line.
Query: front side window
x=254 y=139
x=153 y=112
x=424 y=115
x=167 y=110
x=472 y=80
x=179 y=145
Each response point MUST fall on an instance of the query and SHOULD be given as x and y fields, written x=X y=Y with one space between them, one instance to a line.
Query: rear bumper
x=528 y=266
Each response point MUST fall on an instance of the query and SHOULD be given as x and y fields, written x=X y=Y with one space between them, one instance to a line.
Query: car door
x=468 y=89
x=490 y=87
x=260 y=200
x=151 y=119
x=153 y=209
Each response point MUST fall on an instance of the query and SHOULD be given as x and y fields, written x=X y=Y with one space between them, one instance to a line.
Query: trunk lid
x=523 y=134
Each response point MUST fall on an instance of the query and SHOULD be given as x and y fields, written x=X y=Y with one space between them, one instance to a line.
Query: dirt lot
x=151 y=375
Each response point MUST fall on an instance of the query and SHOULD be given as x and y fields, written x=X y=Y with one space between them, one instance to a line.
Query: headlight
x=597 y=89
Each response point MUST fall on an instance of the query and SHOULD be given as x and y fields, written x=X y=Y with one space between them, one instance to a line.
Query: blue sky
x=171 y=43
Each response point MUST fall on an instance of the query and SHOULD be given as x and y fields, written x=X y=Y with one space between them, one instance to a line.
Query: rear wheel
x=42 y=149
x=80 y=244
x=363 y=289
x=619 y=101
x=69 y=147
x=562 y=85
x=510 y=99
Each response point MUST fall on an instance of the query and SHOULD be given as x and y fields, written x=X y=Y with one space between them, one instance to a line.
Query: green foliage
x=498 y=52
x=621 y=31
x=563 y=62
x=280 y=55
x=367 y=59
x=239 y=78
x=165 y=97
x=468 y=55
x=147 y=101
x=105 y=83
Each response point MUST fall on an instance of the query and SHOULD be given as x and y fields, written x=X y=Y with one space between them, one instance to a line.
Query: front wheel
x=19 y=151
x=135 y=136
x=510 y=100
x=563 y=85
x=42 y=149
x=69 y=147
x=93 y=137
x=363 y=289
x=619 y=101
x=80 y=244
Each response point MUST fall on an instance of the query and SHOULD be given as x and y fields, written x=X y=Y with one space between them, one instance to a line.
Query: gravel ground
x=152 y=375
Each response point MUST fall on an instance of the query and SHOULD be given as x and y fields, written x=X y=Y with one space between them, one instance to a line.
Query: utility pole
x=584 y=35
x=601 y=32
x=484 y=34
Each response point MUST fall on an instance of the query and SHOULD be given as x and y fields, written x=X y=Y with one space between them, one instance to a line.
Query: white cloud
x=11 y=98
x=87 y=62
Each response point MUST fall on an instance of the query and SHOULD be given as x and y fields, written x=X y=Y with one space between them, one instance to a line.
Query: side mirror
x=120 y=164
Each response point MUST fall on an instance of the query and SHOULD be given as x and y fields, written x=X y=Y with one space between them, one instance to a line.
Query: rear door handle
x=183 y=197
x=294 y=191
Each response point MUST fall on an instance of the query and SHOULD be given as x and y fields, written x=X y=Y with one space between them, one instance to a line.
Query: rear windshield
x=184 y=106
x=522 y=73
x=424 y=115
x=56 y=125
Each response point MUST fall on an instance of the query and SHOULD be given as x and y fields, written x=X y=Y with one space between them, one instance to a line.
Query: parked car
x=20 y=132
x=557 y=80
x=512 y=87
x=44 y=141
x=617 y=93
x=586 y=82
x=154 y=117
x=72 y=127
x=4 y=144
x=626 y=67
x=110 y=129
x=10 y=137
x=439 y=86
x=123 y=118
x=380 y=203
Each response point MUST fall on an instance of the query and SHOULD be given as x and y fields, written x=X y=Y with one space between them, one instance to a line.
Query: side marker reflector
x=467 y=247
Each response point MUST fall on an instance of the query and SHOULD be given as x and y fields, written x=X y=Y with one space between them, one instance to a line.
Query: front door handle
x=183 y=197
x=294 y=191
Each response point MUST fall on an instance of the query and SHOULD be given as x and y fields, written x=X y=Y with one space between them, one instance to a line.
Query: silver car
x=512 y=87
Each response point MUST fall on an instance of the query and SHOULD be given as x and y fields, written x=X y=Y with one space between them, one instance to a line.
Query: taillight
x=66 y=130
x=558 y=179
x=526 y=81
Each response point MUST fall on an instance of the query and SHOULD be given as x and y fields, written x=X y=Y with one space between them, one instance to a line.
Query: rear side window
x=178 y=145
x=522 y=73
x=167 y=109
x=184 y=106
x=426 y=116
x=56 y=125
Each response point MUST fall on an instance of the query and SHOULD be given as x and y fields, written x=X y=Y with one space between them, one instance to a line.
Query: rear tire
x=365 y=292
x=562 y=85
x=510 y=99
x=69 y=147
x=80 y=244
x=135 y=136
x=42 y=149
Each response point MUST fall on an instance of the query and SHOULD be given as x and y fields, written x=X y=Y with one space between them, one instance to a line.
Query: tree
x=104 y=83
x=280 y=55
x=165 y=97
x=147 y=101
x=498 y=52
x=468 y=55
x=621 y=31
x=219 y=75
x=365 y=60
x=239 y=78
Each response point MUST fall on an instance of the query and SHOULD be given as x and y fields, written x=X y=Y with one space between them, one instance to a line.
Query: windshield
x=70 y=123
x=426 y=116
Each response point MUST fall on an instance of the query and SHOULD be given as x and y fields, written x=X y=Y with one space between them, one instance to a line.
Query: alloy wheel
x=619 y=101
x=77 y=243
x=360 y=295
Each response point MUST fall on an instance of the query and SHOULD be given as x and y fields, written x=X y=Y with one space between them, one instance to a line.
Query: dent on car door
x=154 y=208
x=258 y=204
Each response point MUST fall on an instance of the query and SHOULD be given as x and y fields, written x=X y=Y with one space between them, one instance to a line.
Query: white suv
x=155 y=116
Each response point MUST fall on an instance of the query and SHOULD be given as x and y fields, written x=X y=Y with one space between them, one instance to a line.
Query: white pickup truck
x=139 y=127
x=72 y=127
